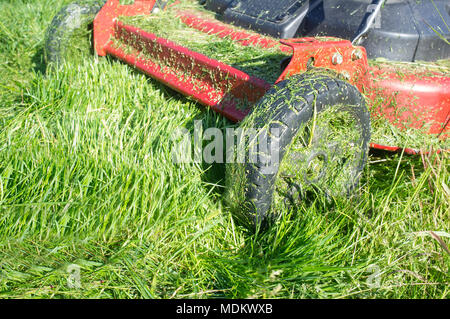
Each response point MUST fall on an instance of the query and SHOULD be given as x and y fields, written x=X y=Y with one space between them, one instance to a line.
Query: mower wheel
x=70 y=33
x=308 y=136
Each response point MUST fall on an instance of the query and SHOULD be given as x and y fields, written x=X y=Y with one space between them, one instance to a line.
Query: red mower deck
x=405 y=99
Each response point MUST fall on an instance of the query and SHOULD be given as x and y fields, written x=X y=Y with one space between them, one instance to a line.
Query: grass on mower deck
x=265 y=64
x=385 y=133
x=86 y=179
x=256 y=61
x=422 y=67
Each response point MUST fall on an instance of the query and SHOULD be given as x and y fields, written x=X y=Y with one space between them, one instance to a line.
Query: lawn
x=88 y=190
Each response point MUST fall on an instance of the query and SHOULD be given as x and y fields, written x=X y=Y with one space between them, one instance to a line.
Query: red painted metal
x=104 y=22
x=329 y=53
x=322 y=50
x=406 y=99
x=212 y=83
x=406 y=150
x=222 y=30
x=396 y=149
x=418 y=100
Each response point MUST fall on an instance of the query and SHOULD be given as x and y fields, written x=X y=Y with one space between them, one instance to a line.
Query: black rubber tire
x=72 y=18
x=288 y=106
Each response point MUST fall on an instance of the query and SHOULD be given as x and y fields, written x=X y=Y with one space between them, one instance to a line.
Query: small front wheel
x=310 y=134
x=69 y=36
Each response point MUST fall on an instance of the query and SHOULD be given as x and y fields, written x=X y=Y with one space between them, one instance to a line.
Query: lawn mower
x=296 y=72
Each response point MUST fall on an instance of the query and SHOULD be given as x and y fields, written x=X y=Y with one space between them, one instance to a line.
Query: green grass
x=86 y=178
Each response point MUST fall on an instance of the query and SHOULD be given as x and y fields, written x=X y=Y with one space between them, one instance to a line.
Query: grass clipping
x=257 y=61
x=265 y=64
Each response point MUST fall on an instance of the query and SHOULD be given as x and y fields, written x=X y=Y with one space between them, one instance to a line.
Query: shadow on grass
x=38 y=61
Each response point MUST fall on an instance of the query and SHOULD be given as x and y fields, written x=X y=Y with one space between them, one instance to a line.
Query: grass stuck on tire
x=321 y=143
x=69 y=37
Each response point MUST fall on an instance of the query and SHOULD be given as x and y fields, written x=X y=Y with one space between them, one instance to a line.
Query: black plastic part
x=427 y=16
x=369 y=19
x=160 y=5
x=280 y=19
x=218 y=6
x=405 y=30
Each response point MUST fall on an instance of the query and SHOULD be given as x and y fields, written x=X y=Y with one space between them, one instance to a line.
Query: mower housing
x=404 y=30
